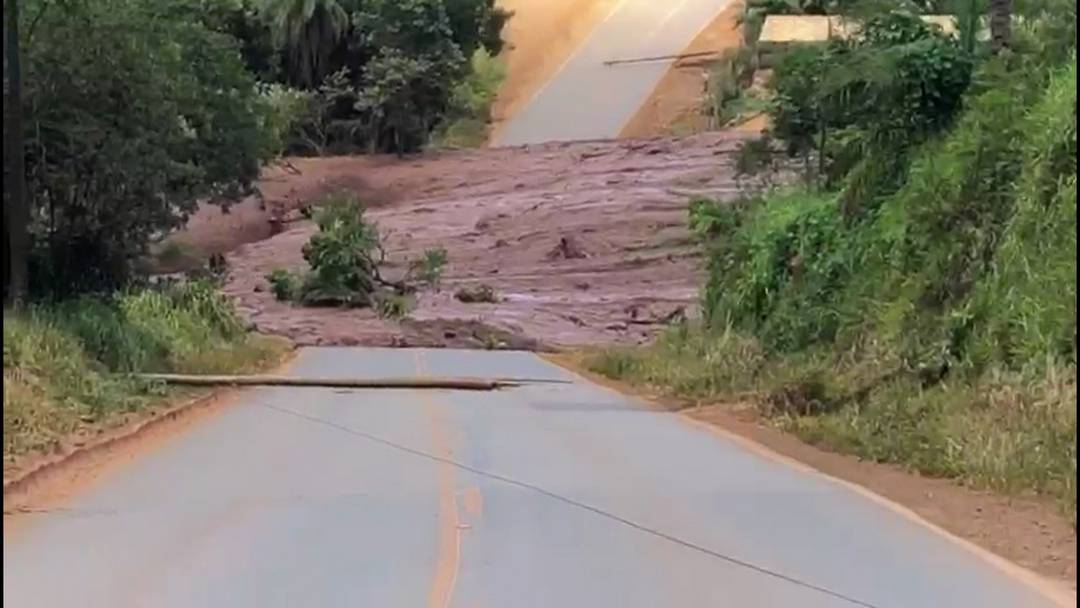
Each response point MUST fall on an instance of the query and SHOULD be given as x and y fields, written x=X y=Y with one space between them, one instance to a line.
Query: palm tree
x=309 y=32
x=1000 y=25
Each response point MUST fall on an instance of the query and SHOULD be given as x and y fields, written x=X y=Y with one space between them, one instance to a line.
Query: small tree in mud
x=346 y=256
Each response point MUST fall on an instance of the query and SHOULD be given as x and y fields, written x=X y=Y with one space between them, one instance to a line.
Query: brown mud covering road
x=583 y=243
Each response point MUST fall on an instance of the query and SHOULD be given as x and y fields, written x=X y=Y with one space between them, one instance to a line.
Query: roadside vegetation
x=382 y=75
x=121 y=117
x=68 y=365
x=468 y=122
x=912 y=299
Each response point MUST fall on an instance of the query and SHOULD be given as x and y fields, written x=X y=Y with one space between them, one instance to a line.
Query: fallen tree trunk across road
x=461 y=384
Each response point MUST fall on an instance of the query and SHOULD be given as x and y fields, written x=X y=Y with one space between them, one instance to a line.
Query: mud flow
x=582 y=243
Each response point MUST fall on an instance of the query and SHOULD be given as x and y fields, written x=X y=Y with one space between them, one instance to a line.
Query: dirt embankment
x=583 y=244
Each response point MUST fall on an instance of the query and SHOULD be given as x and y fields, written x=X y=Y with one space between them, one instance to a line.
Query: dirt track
x=628 y=263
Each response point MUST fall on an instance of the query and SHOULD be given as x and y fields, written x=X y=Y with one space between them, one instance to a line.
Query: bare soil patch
x=583 y=243
x=1024 y=530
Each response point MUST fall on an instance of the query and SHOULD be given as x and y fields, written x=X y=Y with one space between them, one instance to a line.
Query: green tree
x=16 y=210
x=477 y=23
x=404 y=87
x=860 y=105
x=310 y=32
x=148 y=114
x=248 y=23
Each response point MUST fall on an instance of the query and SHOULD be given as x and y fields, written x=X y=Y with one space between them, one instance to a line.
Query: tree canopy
x=129 y=113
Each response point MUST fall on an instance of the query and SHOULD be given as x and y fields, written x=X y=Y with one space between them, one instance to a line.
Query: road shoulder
x=1028 y=534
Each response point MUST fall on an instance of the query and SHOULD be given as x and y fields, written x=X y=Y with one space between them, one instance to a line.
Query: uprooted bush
x=346 y=259
x=476 y=294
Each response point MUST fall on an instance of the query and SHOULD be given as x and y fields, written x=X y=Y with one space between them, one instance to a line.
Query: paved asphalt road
x=588 y=100
x=557 y=495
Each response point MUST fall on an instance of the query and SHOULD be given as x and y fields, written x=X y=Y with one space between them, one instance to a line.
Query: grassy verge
x=66 y=365
x=1009 y=432
x=931 y=325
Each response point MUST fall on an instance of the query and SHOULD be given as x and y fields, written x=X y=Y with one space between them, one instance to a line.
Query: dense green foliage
x=61 y=362
x=126 y=129
x=469 y=112
x=345 y=259
x=914 y=300
x=860 y=105
x=381 y=75
x=795 y=272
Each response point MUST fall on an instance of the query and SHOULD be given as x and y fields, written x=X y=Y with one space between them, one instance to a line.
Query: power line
x=580 y=505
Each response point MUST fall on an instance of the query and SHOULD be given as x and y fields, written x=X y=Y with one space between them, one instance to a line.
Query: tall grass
x=66 y=365
x=1011 y=431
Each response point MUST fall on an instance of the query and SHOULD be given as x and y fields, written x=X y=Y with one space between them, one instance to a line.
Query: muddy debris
x=477 y=294
x=468 y=334
x=576 y=320
x=568 y=248
x=555 y=288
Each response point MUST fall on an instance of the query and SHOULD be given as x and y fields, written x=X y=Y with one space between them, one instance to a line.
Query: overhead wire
x=577 y=504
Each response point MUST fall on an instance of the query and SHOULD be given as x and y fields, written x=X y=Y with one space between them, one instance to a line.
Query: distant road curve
x=588 y=100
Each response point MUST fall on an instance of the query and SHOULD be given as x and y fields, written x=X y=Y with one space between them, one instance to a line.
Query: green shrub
x=293 y=120
x=284 y=285
x=728 y=78
x=345 y=258
x=430 y=267
x=775 y=270
x=395 y=306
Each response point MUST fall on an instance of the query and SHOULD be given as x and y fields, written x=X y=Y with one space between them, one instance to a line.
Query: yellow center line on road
x=448 y=553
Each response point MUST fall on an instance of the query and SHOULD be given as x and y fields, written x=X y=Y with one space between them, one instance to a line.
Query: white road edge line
x=1051 y=590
